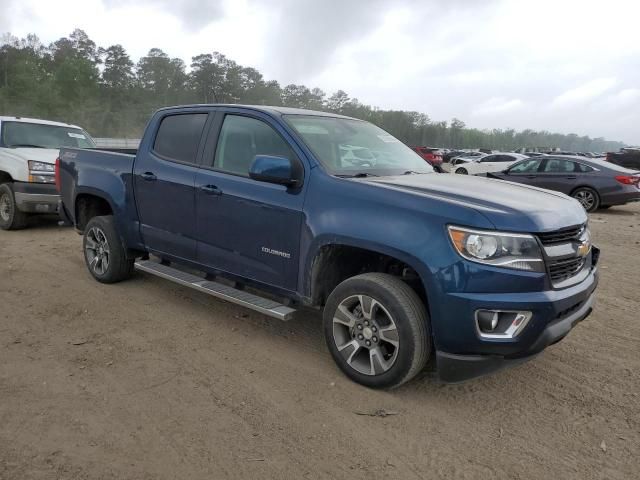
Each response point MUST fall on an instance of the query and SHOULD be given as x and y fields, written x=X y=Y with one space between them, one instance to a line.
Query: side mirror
x=278 y=170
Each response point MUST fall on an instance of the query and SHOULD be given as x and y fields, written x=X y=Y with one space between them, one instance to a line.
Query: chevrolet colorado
x=266 y=207
x=28 y=150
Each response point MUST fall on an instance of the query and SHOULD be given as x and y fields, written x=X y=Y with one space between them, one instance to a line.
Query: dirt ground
x=149 y=380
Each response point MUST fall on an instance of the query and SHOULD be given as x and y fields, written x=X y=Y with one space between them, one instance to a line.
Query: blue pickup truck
x=282 y=210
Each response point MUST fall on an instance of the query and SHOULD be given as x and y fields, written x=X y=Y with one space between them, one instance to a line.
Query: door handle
x=149 y=176
x=211 y=190
x=571 y=177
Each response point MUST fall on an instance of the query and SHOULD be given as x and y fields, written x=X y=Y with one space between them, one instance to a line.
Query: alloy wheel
x=586 y=198
x=5 y=207
x=365 y=335
x=97 y=251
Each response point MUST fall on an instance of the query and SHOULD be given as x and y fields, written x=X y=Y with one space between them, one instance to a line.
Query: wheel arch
x=5 y=177
x=89 y=204
x=335 y=260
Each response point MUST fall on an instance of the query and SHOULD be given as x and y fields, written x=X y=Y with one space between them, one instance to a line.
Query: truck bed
x=88 y=171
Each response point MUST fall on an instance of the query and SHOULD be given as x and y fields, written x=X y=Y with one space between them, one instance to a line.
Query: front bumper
x=454 y=368
x=36 y=197
x=462 y=353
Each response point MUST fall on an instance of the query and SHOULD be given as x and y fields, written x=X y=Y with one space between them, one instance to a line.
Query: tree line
x=73 y=80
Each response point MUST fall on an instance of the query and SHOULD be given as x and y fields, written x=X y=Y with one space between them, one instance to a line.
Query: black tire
x=10 y=217
x=104 y=253
x=408 y=318
x=588 y=198
x=462 y=171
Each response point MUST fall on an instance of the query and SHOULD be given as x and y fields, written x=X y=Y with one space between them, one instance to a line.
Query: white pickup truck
x=28 y=151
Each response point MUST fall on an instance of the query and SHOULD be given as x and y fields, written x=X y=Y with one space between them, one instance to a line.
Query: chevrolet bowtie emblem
x=583 y=249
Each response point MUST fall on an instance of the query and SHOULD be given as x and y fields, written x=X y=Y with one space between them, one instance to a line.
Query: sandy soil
x=149 y=380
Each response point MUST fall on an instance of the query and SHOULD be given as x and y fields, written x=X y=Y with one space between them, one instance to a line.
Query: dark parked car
x=594 y=183
x=627 y=157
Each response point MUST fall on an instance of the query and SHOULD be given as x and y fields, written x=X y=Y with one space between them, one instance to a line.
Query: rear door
x=558 y=174
x=245 y=227
x=164 y=176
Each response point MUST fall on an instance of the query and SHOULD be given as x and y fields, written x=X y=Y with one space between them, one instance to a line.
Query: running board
x=218 y=290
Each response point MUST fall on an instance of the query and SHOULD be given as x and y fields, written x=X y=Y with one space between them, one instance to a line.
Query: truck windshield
x=348 y=147
x=39 y=135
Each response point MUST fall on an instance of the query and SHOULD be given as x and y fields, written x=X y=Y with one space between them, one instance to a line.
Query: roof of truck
x=37 y=120
x=266 y=108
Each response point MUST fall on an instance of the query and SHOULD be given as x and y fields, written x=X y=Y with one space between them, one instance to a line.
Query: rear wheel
x=104 y=254
x=588 y=198
x=462 y=171
x=10 y=217
x=377 y=330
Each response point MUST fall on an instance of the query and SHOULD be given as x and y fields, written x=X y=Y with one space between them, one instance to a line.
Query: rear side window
x=581 y=167
x=556 y=165
x=179 y=136
x=241 y=139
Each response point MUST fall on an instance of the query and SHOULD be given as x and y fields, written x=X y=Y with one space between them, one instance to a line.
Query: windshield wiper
x=25 y=145
x=358 y=175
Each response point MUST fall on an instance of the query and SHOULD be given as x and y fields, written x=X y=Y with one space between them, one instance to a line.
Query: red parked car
x=433 y=156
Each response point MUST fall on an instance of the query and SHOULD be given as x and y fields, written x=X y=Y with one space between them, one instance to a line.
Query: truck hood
x=508 y=206
x=47 y=155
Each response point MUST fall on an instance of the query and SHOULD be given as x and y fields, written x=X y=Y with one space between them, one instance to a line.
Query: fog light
x=487 y=320
x=501 y=323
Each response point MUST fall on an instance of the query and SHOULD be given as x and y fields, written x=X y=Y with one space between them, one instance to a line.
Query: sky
x=568 y=66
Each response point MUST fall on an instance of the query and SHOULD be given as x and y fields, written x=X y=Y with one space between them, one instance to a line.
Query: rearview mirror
x=278 y=170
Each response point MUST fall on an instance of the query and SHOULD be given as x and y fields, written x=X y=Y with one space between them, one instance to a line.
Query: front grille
x=560 y=236
x=563 y=269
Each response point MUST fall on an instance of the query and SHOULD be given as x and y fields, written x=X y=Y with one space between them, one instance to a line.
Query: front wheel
x=462 y=171
x=588 y=198
x=104 y=254
x=377 y=330
x=10 y=217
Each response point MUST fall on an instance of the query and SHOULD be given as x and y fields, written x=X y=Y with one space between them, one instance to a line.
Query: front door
x=525 y=172
x=164 y=180
x=245 y=227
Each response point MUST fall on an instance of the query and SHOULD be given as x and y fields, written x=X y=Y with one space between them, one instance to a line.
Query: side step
x=224 y=292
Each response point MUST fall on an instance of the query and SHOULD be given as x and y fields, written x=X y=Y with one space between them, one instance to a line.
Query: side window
x=241 y=139
x=526 y=166
x=506 y=158
x=581 y=167
x=490 y=158
x=556 y=165
x=178 y=137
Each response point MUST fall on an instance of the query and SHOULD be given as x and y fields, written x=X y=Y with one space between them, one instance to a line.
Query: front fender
x=14 y=165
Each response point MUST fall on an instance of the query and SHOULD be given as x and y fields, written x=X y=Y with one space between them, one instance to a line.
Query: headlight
x=41 y=166
x=41 y=172
x=508 y=250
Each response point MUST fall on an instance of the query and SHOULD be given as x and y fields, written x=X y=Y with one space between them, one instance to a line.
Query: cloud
x=194 y=14
x=585 y=92
x=495 y=64
x=497 y=106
